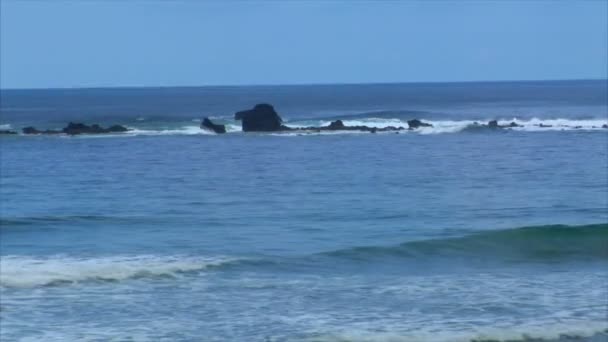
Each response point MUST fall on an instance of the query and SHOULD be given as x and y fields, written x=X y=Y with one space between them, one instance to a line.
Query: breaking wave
x=27 y=271
x=378 y=120
x=455 y=126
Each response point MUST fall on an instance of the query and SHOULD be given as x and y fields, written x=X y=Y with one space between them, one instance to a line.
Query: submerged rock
x=7 y=132
x=117 y=129
x=32 y=130
x=415 y=123
x=208 y=124
x=494 y=124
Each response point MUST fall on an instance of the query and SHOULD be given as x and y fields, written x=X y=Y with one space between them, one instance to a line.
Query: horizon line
x=300 y=84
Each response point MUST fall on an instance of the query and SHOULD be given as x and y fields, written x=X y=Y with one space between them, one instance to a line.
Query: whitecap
x=29 y=271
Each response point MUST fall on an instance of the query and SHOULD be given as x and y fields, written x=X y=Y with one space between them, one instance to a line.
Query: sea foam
x=26 y=271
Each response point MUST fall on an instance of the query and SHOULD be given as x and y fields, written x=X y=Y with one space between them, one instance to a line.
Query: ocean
x=172 y=233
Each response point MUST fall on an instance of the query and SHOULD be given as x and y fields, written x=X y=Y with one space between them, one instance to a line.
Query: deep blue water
x=172 y=233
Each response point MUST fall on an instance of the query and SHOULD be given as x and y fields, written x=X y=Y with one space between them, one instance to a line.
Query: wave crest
x=528 y=243
x=25 y=271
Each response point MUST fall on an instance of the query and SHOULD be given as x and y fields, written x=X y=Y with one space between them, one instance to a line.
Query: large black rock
x=262 y=118
x=208 y=124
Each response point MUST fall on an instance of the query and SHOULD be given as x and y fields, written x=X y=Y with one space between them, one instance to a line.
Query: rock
x=80 y=128
x=77 y=128
x=494 y=124
x=336 y=125
x=262 y=118
x=7 y=132
x=117 y=129
x=208 y=124
x=544 y=126
x=30 y=130
x=417 y=123
x=604 y=126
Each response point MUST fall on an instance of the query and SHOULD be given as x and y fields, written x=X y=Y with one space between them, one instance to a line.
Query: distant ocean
x=172 y=233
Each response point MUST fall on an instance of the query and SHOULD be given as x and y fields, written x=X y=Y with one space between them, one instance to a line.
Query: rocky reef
x=78 y=128
x=264 y=118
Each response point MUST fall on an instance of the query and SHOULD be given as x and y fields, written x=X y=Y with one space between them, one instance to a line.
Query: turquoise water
x=172 y=233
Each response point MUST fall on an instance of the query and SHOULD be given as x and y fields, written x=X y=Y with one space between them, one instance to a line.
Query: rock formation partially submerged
x=413 y=124
x=338 y=125
x=263 y=118
x=209 y=125
x=494 y=124
x=78 y=128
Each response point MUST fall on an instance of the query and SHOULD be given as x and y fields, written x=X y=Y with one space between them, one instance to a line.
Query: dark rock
x=494 y=124
x=262 y=118
x=7 y=132
x=30 y=130
x=604 y=126
x=77 y=128
x=117 y=129
x=417 y=123
x=80 y=128
x=208 y=124
x=336 y=125
x=544 y=126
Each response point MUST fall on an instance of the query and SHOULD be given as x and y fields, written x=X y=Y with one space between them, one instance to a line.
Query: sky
x=47 y=44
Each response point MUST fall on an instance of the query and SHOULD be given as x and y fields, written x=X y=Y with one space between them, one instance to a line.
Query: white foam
x=184 y=130
x=5 y=126
x=454 y=126
x=26 y=271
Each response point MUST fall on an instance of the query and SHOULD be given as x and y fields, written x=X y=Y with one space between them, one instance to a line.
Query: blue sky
x=163 y=43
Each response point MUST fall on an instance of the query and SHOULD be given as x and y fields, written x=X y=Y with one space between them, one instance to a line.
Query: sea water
x=172 y=233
